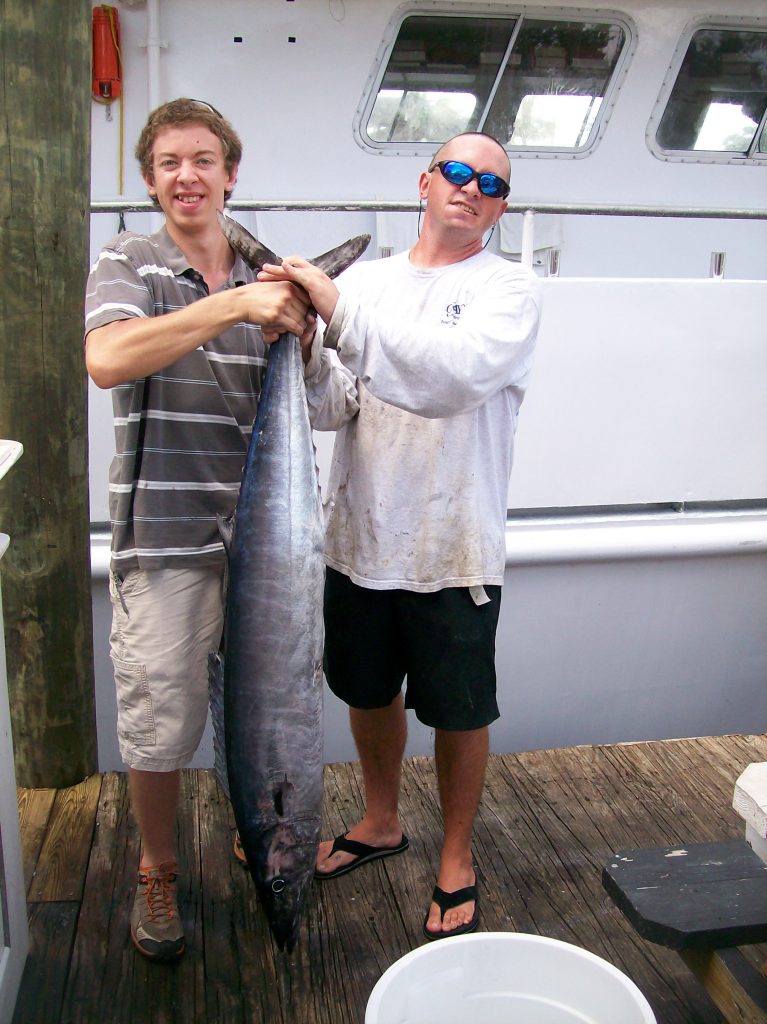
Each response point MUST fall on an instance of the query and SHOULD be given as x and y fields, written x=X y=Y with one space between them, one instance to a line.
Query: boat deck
x=548 y=822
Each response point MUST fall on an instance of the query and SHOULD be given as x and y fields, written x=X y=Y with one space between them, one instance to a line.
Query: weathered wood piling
x=45 y=60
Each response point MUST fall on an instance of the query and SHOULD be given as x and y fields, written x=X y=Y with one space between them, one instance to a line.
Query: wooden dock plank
x=359 y=924
x=223 y=986
x=35 y=807
x=63 y=860
x=52 y=927
x=102 y=936
x=240 y=979
x=548 y=822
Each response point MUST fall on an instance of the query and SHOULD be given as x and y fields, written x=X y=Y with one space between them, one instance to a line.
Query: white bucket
x=505 y=978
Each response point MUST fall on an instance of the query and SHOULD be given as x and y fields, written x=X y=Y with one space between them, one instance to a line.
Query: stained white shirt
x=417 y=489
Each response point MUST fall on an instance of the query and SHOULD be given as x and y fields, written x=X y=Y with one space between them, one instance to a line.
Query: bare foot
x=450 y=880
x=362 y=832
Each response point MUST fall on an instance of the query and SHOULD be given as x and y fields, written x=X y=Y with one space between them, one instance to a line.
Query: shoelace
x=160 y=892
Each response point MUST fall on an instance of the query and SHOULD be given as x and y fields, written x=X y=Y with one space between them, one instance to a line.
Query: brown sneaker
x=155 y=925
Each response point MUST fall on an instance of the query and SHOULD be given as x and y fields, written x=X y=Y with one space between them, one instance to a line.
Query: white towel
x=547 y=232
x=397 y=232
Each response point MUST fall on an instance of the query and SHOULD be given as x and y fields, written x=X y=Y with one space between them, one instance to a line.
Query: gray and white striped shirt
x=181 y=435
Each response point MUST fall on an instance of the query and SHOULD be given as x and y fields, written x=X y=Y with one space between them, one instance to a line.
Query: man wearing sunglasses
x=441 y=341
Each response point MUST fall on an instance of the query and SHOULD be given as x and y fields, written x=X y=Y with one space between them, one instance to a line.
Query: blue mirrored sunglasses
x=457 y=173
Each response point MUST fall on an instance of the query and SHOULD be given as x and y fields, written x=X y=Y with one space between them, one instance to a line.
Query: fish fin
x=255 y=253
x=339 y=259
x=226 y=525
x=216 y=700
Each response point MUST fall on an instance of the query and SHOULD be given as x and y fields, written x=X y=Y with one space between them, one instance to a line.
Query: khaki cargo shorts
x=164 y=623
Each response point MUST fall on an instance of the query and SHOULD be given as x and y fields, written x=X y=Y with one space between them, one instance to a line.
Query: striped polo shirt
x=181 y=435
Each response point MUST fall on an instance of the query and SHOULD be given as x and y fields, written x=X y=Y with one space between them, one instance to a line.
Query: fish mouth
x=281 y=864
x=281 y=898
x=285 y=931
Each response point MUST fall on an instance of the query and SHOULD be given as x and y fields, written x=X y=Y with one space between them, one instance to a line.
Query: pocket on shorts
x=135 y=715
x=122 y=587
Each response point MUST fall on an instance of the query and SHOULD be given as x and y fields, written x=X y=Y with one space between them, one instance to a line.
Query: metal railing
x=411 y=206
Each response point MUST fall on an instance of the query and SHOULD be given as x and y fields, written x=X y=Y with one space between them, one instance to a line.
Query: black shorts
x=442 y=642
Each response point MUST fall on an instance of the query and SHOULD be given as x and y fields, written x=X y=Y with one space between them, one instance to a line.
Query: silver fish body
x=273 y=647
x=271 y=668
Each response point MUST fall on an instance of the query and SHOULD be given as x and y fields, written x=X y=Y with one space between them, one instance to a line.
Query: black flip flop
x=448 y=900
x=362 y=851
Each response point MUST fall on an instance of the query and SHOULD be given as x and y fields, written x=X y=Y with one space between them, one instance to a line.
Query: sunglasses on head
x=457 y=173
x=209 y=107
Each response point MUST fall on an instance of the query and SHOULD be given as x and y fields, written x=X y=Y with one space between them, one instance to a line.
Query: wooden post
x=45 y=59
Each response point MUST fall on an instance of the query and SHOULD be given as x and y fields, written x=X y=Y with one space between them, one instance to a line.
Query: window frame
x=702 y=156
x=456 y=8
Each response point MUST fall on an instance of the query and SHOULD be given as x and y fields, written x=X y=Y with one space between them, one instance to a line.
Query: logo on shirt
x=453 y=312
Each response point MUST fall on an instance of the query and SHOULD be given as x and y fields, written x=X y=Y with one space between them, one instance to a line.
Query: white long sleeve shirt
x=418 y=482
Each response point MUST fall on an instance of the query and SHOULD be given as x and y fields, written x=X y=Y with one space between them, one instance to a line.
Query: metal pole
x=409 y=206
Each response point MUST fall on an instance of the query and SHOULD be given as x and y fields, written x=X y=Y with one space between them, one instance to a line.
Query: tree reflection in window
x=719 y=98
x=438 y=78
x=532 y=83
x=552 y=87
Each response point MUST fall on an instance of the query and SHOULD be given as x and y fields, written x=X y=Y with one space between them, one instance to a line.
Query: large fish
x=271 y=664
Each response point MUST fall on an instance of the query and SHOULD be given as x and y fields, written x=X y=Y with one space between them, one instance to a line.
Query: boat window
x=717 y=106
x=438 y=78
x=534 y=83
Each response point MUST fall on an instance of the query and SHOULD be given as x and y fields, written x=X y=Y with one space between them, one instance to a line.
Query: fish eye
x=279 y=885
